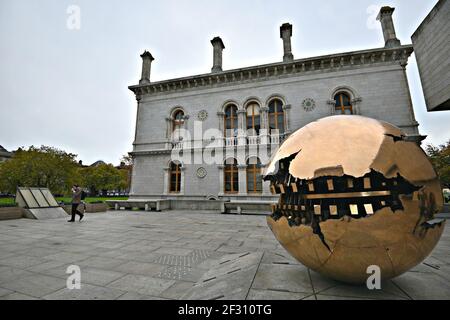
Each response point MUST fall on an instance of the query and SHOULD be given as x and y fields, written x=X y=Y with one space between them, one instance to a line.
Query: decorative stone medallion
x=202 y=115
x=201 y=172
x=308 y=104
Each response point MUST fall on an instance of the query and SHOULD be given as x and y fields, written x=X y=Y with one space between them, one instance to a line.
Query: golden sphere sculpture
x=354 y=192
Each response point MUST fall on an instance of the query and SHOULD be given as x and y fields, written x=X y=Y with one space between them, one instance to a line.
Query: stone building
x=432 y=46
x=256 y=108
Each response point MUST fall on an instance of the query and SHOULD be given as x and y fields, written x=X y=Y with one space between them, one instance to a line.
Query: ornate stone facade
x=372 y=82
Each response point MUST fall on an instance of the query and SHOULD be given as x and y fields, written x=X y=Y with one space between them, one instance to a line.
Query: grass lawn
x=10 y=201
x=6 y=202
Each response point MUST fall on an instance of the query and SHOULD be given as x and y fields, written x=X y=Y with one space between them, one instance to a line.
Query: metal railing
x=273 y=139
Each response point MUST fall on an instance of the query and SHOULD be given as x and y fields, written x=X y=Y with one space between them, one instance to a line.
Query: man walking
x=76 y=200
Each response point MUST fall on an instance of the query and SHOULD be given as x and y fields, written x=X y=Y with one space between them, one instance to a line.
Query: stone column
x=220 y=168
x=182 y=181
x=166 y=181
x=221 y=116
x=266 y=188
x=287 y=117
x=264 y=111
x=218 y=47
x=264 y=134
x=356 y=105
x=387 y=24
x=286 y=34
x=332 y=104
x=242 y=179
x=242 y=132
x=189 y=137
x=169 y=133
x=265 y=184
x=147 y=59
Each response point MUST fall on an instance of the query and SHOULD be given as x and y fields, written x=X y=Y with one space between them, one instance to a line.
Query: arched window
x=177 y=120
x=231 y=121
x=175 y=177
x=276 y=116
x=254 y=177
x=343 y=103
x=231 y=176
x=253 y=119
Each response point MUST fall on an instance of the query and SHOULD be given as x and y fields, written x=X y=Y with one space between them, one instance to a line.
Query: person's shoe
x=81 y=217
x=70 y=220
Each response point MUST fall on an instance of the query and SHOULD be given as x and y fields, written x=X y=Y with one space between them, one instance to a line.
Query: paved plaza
x=181 y=255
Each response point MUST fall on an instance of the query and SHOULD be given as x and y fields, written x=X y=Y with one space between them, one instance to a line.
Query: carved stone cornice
x=144 y=153
x=328 y=63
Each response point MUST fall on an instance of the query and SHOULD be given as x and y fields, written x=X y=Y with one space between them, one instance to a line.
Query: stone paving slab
x=142 y=284
x=8 y=273
x=18 y=296
x=133 y=255
x=285 y=278
x=256 y=294
x=4 y=292
x=86 y=292
x=36 y=285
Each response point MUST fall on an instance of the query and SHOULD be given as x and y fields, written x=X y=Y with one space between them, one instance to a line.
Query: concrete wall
x=432 y=47
x=8 y=213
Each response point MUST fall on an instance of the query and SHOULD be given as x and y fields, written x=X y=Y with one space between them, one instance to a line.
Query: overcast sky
x=67 y=88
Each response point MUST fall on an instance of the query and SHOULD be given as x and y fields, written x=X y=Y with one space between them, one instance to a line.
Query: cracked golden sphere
x=354 y=192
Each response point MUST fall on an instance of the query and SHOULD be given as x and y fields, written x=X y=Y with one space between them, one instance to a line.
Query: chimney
x=286 y=34
x=385 y=17
x=147 y=59
x=217 y=57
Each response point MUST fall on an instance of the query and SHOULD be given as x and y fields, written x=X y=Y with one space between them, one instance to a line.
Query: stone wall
x=378 y=88
x=7 y=213
x=90 y=207
x=383 y=91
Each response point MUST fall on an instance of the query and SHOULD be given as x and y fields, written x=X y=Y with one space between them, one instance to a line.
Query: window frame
x=234 y=120
x=276 y=114
x=342 y=107
x=177 y=123
x=176 y=170
x=252 y=171
x=233 y=171
x=253 y=105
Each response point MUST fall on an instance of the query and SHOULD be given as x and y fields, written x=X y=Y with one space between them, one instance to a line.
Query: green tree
x=126 y=169
x=101 y=178
x=39 y=167
x=126 y=160
x=124 y=179
x=440 y=157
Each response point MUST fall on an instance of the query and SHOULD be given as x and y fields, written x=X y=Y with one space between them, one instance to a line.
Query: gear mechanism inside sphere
x=354 y=192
